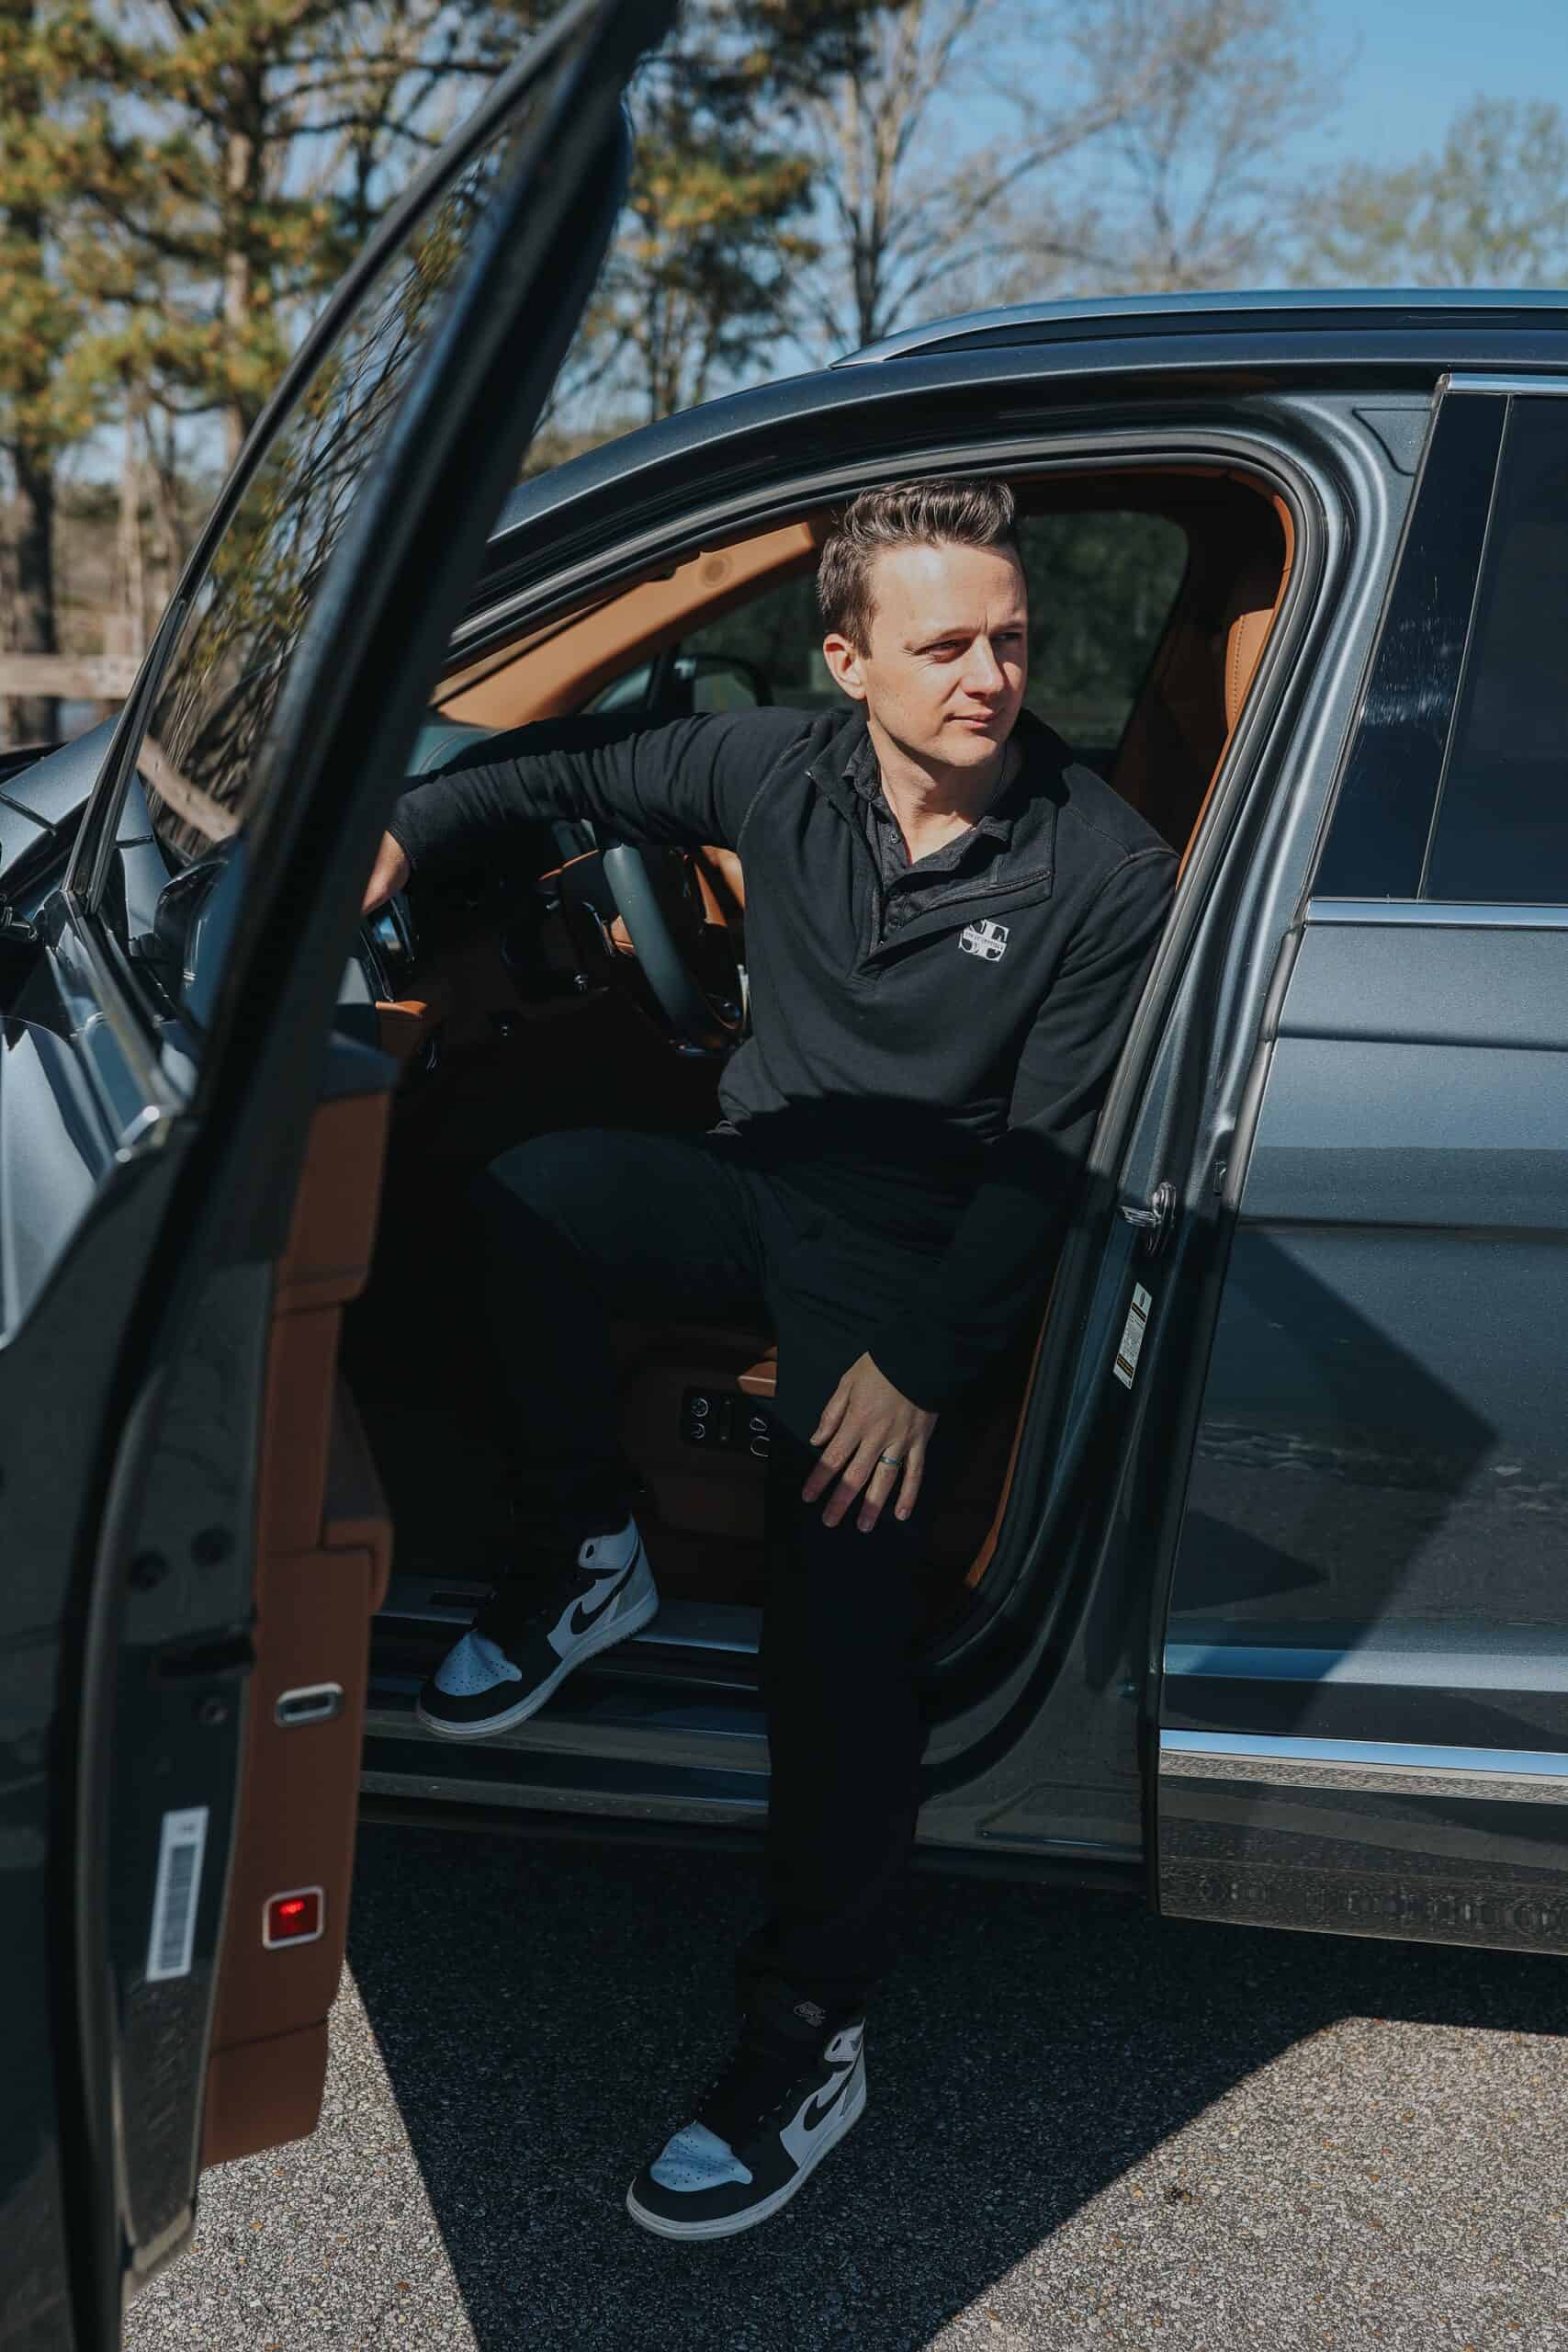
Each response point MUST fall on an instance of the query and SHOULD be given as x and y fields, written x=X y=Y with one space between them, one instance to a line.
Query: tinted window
x=1381 y=817
x=1502 y=823
x=199 y=764
x=779 y=636
x=1100 y=593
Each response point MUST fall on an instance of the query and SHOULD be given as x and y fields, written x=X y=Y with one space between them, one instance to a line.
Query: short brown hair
x=946 y=513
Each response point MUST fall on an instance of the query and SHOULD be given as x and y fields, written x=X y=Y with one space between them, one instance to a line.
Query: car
x=1253 y=1595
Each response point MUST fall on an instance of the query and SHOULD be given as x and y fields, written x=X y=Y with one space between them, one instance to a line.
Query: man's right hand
x=389 y=874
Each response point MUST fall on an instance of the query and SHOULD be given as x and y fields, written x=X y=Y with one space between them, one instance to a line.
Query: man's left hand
x=874 y=1445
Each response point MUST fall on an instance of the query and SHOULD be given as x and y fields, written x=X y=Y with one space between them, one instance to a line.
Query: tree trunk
x=131 y=564
x=34 y=719
x=239 y=164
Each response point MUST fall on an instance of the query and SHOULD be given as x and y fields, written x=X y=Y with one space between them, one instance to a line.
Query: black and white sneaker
x=795 y=2084
x=529 y=1635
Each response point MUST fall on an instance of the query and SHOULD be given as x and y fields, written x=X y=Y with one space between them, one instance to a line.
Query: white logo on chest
x=989 y=940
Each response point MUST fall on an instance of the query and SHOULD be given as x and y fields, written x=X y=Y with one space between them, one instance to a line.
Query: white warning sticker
x=1132 y=1330
x=176 y=1893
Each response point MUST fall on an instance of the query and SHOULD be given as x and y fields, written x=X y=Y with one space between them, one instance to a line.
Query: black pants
x=577 y=1228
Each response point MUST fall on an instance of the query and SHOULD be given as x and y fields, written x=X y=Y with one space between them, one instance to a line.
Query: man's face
x=944 y=672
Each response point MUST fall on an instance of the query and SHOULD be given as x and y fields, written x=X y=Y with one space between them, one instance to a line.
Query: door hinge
x=1152 y=1218
x=17 y=936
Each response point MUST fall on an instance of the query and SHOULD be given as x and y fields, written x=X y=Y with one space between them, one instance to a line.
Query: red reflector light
x=296 y=1917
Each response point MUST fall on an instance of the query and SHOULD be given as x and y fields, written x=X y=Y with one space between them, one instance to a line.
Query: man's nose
x=983 y=673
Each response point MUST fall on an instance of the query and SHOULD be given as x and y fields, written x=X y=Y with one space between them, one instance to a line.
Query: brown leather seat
x=1246 y=622
x=1244 y=630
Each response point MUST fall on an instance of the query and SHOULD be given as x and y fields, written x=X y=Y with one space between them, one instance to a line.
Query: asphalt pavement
x=1086 y=2128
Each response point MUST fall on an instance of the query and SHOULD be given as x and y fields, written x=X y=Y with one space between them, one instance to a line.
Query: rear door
x=190 y=1135
x=1364 y=1720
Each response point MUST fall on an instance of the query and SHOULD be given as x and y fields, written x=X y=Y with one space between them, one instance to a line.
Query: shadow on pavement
x=548 y=2012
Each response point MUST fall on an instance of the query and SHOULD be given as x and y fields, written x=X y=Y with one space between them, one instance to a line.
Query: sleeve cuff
x=918 y=1364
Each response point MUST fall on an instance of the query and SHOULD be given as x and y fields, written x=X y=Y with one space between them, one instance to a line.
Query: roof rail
x=1178 y=313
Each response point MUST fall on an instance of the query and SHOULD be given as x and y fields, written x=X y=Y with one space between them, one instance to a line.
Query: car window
x=1501 y=828
x=1101 y=588
x=201 y=764
x=777 y=637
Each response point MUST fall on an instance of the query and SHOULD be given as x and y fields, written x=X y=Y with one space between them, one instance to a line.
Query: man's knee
x=549 y=1177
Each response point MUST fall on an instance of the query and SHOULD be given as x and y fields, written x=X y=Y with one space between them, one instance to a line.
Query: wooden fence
x=75 y=677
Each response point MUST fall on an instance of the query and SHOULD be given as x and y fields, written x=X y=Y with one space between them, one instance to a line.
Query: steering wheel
x=682 y=942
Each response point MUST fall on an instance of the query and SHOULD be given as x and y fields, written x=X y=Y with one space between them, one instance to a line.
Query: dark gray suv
x=1255 y=1592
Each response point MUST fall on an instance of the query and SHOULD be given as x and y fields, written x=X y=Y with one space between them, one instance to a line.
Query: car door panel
x=1364 y=1715
x=190 y=1159
x=322 y=1559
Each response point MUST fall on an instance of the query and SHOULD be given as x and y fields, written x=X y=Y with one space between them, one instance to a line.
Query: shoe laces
x=753 y=2083
x=549 y=1543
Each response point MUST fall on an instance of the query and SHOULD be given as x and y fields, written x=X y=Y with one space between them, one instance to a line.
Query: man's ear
x=844 y=661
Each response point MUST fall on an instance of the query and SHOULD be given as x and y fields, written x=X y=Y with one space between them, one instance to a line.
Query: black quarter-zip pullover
x=937 y=1079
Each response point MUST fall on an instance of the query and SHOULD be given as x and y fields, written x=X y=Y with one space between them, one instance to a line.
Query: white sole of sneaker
x=605 y=1638
x=733 y=2223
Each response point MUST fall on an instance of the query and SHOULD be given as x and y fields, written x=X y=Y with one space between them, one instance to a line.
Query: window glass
x=1501 y=832
x=777 y=640
x=199 y=767
x=1100 y=591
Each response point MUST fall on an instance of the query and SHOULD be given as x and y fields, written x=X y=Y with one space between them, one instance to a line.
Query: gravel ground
x=1086 y=2128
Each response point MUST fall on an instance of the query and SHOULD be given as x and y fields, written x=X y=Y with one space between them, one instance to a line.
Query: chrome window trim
x=1505 y=1659
x=1438 y=914
x=1538 y=386
x=1367 y=1767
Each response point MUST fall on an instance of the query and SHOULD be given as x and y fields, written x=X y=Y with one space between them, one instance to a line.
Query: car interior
x=516 y=1002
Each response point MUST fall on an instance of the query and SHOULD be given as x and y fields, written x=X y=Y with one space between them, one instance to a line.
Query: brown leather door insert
x=324 y=1555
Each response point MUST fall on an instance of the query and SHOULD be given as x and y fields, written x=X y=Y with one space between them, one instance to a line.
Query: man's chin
x=973 y=746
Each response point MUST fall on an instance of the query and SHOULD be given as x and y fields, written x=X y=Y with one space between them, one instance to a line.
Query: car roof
x=1123 y=345
x=1294 y=311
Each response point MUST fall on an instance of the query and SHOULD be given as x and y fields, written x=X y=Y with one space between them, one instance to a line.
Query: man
x=948 y=924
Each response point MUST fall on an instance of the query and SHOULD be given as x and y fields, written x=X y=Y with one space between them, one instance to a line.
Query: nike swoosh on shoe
x=582 y=1618
x=821 y=2108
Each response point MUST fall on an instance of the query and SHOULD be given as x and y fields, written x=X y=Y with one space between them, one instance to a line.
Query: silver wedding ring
x=894 y=1461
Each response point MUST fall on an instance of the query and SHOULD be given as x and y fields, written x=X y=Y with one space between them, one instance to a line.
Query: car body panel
x=1362 y=1724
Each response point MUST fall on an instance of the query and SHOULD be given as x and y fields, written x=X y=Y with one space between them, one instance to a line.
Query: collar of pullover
x=864 y=774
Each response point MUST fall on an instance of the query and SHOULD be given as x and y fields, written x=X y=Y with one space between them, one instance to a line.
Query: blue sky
x=1419 y=61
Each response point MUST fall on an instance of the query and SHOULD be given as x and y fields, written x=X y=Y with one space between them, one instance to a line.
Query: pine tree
x=43 y=408
x=695 y=291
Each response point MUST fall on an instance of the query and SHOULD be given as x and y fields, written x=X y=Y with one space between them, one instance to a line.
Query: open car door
x=192 y=1109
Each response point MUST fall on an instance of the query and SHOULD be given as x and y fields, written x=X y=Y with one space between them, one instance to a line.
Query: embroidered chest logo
x=989 y=940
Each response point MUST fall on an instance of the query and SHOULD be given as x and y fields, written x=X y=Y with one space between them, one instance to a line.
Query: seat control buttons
x=727 y=1419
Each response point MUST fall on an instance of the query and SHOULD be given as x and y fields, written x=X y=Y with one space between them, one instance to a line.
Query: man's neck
x=933 y=802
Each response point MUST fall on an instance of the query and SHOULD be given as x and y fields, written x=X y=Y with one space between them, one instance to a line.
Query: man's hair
x=948 y=513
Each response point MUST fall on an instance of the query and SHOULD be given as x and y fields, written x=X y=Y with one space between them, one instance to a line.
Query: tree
x=900 y=213
x=42 y=411
x=1489 y=208
x=1120 y=142
x=237 y=153
x=697 y=284
x=1190 y=188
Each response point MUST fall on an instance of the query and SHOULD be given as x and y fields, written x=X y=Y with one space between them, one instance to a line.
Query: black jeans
x=577 y=1228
